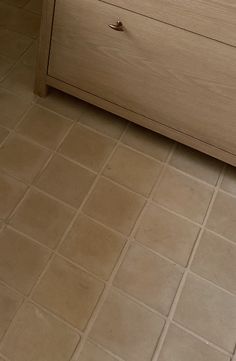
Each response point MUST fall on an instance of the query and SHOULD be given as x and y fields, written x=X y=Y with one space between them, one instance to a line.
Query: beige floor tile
x=87 y=147
x=69 y=292
x=184 y=195
x=127 y=329
x=11 y=108
x=114 y=206
x=215 y=261
x=222 y=218
x=35 y=6
x=168 y=234
x=149 y=278
x=196 y=164
x=21 y=260
x=13 y=44
x=65 y=180
x=209 y=312
x=9 y=303
x=21 y=81
x=5 y=65
x=133 y=170
x=92 y=246
x=42 y=218
x=44 y=127
x=147 y=142
x=91 y=352
x=62 y=103
x=35 y=335
x=181 y=346
x=19 y=20
x=11 y=191
x=30 y=56
x=102 y=121
x=21 y=158
x=3 y=134
x=229 y=180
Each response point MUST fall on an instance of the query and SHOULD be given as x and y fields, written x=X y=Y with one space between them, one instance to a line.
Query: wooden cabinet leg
x=41 y=89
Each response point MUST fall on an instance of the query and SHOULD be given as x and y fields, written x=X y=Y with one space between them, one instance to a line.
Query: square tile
x=222 y=218
x=5 y=65
x=9 y=303
x=133 y=170
x=11 y=191
x=11 y=108
x=30 y=56
x=44 y=127
x=149 y=278
x=13 y=44
x=181 y=346
x=65 y=180
x=208 y=311
x=215 y=261
x=3 y=134
x=127 y=329
x=92 y=246
x=20 y=81
x=69 y=292
x=21 y=158
x=87 y=147
x=42 y=218
x=91 y=352
x=36 y=335
x=184 y=195
x=196 y=164
x=229 y=181
x=103 y=121
x=114 y=206
x=21 y=260
x=167 y=233
x=147 y=142
x=62 y=103
x=19 y=20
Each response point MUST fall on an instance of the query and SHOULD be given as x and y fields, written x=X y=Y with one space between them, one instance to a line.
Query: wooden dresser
x=169 y=65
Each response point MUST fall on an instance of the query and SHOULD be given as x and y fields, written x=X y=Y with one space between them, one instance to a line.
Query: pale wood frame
x=43 y=80
x=41 y=86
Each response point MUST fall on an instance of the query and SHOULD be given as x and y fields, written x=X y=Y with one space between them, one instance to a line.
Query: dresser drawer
x=213 y=18
x=172 y=76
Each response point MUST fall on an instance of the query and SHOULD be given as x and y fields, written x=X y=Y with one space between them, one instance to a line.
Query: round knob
x=118 y=26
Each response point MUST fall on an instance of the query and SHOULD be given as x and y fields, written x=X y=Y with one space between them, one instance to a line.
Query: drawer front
x=213 y=18
x=177 y=78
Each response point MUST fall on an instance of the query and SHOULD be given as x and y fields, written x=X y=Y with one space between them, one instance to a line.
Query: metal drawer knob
x=118 y=26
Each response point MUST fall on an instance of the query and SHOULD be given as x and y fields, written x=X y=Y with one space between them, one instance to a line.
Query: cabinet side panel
x=44 y=47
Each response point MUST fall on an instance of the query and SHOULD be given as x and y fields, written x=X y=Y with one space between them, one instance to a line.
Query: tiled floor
x=116 y=244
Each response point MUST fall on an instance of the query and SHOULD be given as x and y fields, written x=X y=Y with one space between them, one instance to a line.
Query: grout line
x=108 y=287
x=157 y=352
x=17 y=62
x=116 y=357
x=156 y=253
x=137 y=301
x=165 y=165
x=109 y=282
x=225 y=290
x=199 y=337
x=53 y=254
